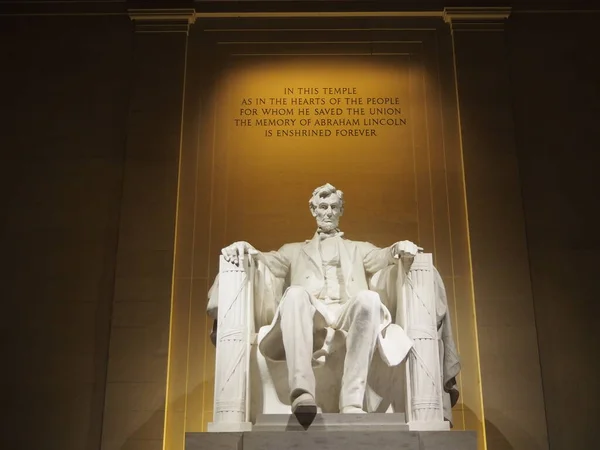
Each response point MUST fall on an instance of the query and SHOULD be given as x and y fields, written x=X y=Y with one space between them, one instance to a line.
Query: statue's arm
x=375 y=258
x=278 y=262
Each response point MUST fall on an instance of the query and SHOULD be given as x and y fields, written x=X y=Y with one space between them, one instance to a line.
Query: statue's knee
x=296 y=292
x=368 y=300
x=294 y=297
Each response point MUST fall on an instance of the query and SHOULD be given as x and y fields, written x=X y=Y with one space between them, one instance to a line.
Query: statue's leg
x=361 y=319
x=297 y=316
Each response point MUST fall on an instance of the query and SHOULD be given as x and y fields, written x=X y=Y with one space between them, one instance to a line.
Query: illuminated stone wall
x=266 y=123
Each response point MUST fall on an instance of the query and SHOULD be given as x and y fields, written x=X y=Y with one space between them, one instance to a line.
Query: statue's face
x=328 y=212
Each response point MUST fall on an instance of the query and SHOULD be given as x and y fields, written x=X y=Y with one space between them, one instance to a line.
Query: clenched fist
x=405 y=249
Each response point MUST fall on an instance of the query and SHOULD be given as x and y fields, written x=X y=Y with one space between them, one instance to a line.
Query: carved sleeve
x=375 y=258
x=278 y=262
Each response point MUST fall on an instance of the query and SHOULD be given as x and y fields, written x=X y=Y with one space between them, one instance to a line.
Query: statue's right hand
x=235 y=252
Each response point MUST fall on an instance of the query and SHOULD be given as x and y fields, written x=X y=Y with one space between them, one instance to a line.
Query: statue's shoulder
x=362 y=245
x=351 y=241
x=295 y=244
x=292 y=246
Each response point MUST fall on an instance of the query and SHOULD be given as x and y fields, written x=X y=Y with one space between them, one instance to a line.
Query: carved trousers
x=359 y=317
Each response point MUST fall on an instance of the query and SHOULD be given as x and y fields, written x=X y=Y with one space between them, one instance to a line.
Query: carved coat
x=301 y=264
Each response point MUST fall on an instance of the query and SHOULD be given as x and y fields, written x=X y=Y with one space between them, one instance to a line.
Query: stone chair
x=243 y=299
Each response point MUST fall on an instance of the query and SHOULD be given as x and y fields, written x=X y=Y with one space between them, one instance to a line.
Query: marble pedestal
x=332 y=422
x=358 y=437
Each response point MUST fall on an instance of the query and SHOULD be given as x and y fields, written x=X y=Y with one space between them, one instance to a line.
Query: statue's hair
x=323 y=192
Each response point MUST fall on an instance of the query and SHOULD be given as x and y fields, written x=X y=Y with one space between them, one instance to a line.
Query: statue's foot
x=352 y=410
x=304 y=408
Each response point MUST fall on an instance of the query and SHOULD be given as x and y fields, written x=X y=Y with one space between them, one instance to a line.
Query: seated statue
x=328 y=289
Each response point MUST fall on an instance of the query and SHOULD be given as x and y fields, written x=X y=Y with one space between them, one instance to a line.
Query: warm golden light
x=321 y=120
x=272 y=129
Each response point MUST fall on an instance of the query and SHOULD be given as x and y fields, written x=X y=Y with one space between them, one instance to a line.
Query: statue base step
x=332 y=422
x=333 y=440
x=229 y=427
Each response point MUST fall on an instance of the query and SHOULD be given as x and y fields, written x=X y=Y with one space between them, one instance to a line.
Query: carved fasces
x=417 y=315
x=234 y=338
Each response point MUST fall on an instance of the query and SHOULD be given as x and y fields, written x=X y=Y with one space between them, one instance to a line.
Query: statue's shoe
x=352 y=410
x=304 y=408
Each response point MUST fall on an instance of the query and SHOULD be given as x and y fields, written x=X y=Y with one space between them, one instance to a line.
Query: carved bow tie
x=330 y=234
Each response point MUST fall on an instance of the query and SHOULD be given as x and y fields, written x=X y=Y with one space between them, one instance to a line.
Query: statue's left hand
x=405 y=249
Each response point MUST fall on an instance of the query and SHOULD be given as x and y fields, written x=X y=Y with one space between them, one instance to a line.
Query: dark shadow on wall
x=501 y=425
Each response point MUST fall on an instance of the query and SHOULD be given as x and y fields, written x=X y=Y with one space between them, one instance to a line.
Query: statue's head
x=327 y=206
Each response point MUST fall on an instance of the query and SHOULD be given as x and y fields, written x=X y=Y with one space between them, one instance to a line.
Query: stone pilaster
x=135 y=407
x=510 y=367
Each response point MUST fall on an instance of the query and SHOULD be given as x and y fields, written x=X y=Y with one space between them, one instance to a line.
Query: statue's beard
x=327 y=227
